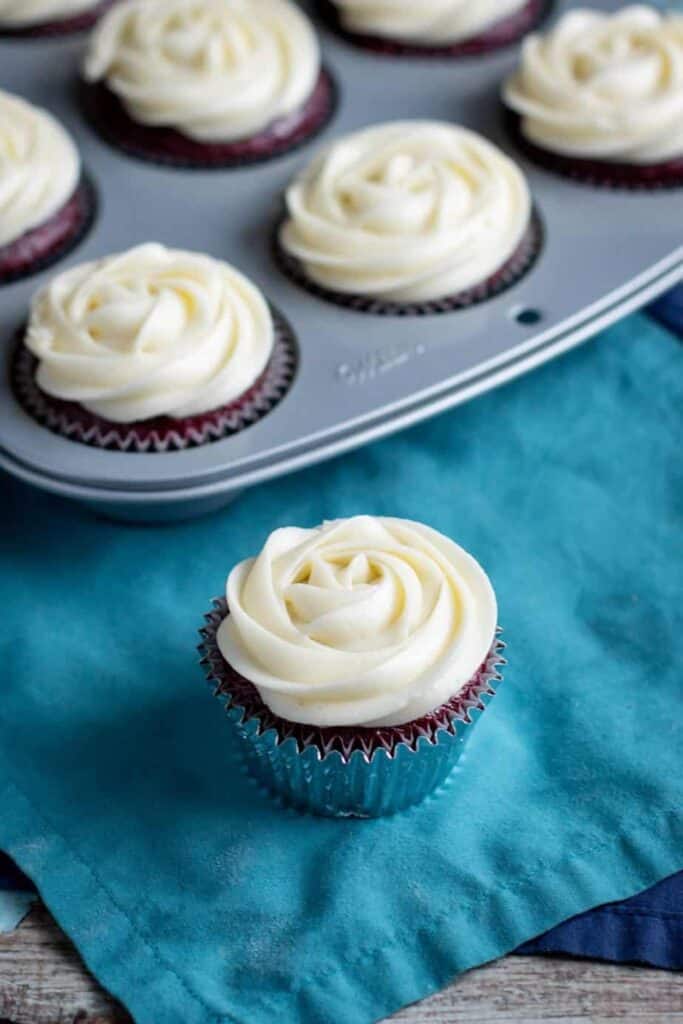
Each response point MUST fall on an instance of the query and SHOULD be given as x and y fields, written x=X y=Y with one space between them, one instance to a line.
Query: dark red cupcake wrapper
x=239 y=694
x=43 y=245
x=506 y=32
x=600 y=173
x=61 y=27
x=166 y=146
x=519 y=264
x=162 y=433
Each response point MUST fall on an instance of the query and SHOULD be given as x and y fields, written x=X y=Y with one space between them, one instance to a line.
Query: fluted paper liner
x=168 y=146
x=347 y=772
x=161 y=434
x=519 y=264
x=599 y=173
x=59 y=26
x=503 y=33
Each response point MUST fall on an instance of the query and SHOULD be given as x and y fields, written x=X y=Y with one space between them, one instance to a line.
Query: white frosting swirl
x=607 y=87
x=364 y=621
x=39 y=167
x=426 y=21
x=24 y=13
x=406 y=211
x=150 y=332
x=216 y=70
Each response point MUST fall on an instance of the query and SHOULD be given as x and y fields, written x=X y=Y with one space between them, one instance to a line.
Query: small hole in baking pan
x=526 y=316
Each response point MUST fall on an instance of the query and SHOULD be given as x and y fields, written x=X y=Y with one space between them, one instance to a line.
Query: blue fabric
x=193 y=897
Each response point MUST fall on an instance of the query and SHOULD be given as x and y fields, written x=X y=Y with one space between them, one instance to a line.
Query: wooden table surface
x=42 y=981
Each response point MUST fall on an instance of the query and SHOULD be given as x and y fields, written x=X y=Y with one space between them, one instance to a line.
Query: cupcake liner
x=505 y=32
x=49 y=242
x=519 y=264
x=599 y=173
x=161 y=434
x=59 y=27
x=346 y=772
x=169 y=147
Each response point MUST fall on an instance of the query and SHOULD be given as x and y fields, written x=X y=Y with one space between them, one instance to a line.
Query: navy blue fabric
x=669 y=310
x=647 y=929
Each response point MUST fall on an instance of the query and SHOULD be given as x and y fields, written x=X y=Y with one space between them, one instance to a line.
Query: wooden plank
x=42 y=981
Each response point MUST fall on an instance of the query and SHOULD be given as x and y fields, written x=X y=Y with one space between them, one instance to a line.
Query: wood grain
x=42 y=981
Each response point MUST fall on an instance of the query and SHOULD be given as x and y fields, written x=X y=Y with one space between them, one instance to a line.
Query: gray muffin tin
x=361 y=376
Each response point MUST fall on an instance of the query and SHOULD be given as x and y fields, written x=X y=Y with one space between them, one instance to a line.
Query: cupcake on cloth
x=206 y=83
x=38 y=18
x=438 y=28
x=151 y=350
x=600 y=98
x=353 y=660
x=46 y=204
x=409 y=217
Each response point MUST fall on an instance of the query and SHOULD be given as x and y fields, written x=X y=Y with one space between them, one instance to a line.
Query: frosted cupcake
x=46 y=206
x=353 y=659
x=600 y=97
x=408 y=217
x=49 y=17
x=206 y=83
x=440 y=28
x=151 y=350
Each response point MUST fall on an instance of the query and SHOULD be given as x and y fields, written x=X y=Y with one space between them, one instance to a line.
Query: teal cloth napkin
x=191 y=895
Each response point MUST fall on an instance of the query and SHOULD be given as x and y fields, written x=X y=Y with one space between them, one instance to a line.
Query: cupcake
x=351 y=658
x=439 y=28
x=600 y=98
x=27 y=18
x=151 y=350
x=212 y=83
x=408 y=217
x=46 y=205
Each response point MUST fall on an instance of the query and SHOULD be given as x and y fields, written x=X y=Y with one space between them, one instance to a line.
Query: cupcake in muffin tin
x=599 y=98
x=434 y=28
x=151 y=350
x=46 y=202
x=39 y=18
x=215 y=83
x=353 y=659
x=409 y=217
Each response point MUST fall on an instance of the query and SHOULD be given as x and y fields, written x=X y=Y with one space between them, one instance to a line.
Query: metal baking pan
x=361 y=376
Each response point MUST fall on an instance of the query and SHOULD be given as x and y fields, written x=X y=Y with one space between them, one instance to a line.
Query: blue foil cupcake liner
x=362 y=773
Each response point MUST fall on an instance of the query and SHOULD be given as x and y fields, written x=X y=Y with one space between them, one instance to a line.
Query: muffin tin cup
x=605 y=252
x=341 y=773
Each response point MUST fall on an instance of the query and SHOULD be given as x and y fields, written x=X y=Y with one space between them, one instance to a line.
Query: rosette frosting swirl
x=150 y=332
x=601 y=86
x=406 y=211
x=39 y=167
x=215 y=70
x=21 y=13
x=428 y=22
x=362 y=622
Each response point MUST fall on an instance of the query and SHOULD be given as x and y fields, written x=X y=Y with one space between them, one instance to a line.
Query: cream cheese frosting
x=427 y=21
x=24 y=13
x=406 y=211
x=606 y=87
x=149 y=332
x=361 y=622
x=39 y=167
x=215 y=70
